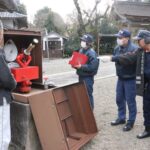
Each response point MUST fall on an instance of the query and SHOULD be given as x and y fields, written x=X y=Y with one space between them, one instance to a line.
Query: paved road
x=59 y=72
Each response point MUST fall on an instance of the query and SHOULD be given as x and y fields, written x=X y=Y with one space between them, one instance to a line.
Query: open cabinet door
x=47 y=121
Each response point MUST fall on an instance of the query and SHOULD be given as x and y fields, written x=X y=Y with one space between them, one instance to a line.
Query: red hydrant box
x=27 y=73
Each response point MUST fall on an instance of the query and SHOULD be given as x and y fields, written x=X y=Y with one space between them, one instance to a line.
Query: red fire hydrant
x=25 y=73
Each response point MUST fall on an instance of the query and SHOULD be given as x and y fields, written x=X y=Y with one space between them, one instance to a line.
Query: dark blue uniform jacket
x=147 y=66
x=124 y=71
x=142 y=60
x=91 y=67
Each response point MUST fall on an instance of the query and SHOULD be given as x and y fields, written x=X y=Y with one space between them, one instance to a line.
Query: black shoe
x=128 y=126
x=117 y=122
x=143 y=135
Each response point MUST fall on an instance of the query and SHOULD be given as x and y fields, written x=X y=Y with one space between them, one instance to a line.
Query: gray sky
x=62 y=7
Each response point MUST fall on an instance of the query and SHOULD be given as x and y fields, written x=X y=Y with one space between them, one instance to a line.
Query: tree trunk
x=81 y=29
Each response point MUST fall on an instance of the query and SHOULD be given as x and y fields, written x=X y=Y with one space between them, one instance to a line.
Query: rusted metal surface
x=63 y=116
x=47 y=121
x=24 y=97
x=75 y=113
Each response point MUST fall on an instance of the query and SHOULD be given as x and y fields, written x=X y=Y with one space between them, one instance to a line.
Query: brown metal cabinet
x=63 y=117
x=22 y=39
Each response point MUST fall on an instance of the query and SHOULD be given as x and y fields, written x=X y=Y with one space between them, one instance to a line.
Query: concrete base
x=23 y=132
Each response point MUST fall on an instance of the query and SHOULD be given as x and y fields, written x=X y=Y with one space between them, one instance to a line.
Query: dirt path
x=113 y=138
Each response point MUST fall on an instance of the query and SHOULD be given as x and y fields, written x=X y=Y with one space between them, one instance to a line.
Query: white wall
x=8 y=23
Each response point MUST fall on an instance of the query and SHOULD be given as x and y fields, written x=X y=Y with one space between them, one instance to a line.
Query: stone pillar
x=23 y=131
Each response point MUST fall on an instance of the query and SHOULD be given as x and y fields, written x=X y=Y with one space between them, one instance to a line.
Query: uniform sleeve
x=128 y=59
x=92 y=64
x=115 y=57
x=7 y=81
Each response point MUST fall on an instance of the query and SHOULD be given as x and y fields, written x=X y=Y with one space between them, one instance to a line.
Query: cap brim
x=136 y=38
x=82 y=39
x=118 y=35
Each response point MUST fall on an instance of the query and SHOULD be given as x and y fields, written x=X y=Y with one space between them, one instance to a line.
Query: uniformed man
x=142 y=59
x=126 y=87
x=143 y=78
x=87 y=71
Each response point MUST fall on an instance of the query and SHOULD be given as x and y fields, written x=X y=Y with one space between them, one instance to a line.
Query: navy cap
x=142 y=34
x=87 y=38
x=123 y=33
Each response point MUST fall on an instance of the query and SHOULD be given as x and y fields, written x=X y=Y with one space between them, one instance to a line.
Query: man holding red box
x=86 y=71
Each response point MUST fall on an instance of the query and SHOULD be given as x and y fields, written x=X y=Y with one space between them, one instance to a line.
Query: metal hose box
x=63 y=116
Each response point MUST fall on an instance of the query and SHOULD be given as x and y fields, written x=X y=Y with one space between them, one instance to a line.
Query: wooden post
x=98 y=40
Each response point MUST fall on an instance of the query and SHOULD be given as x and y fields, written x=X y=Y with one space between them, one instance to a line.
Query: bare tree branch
x=86 y=13
x=92 y=12
x=106 y=11
x=80 y=19
x=95 y=7
x=90 y=18
x=103 y=16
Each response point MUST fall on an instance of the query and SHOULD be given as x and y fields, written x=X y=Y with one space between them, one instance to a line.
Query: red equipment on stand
x=25 y=73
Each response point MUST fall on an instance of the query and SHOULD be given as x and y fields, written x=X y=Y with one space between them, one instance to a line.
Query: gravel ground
x=113 y=138
x=108 y=137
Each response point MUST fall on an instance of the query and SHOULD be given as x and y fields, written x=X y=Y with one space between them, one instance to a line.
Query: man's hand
x=148 y=50
x=106 y=58
x=77 y=66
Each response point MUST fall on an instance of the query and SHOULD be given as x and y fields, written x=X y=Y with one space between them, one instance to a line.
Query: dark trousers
x=125 y=93
x=89 y=81
x=146 y=106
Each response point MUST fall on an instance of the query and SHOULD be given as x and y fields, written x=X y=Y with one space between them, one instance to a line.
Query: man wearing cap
x=87 y=71
x=142 y=58
x=126 y=87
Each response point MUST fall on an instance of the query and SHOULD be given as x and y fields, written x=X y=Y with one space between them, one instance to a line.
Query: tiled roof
x=53 y=34
x=132 y=8
x=11 y=15
x=135 y=13
x=8 y=5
